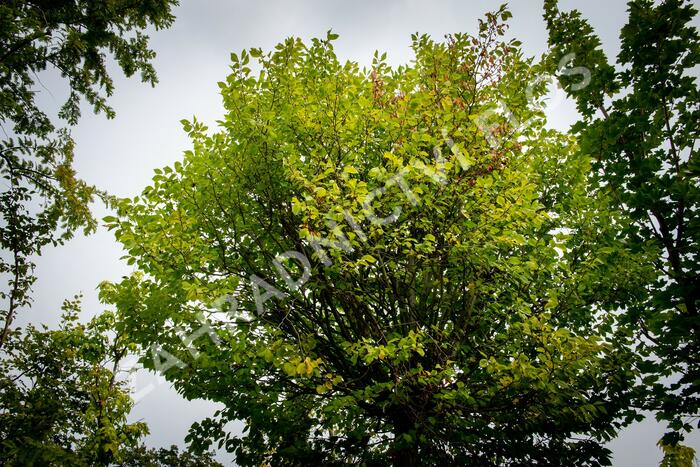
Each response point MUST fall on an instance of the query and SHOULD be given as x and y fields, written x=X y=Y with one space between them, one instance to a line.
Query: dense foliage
x=640 y=126
x=382 y=265
x=60 y=400
x=64 y=399
x=171 y=457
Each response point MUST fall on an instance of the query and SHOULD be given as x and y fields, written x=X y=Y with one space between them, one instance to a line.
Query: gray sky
x=119 y=155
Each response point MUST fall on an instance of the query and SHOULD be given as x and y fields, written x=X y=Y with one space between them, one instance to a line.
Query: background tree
x=639 y=123
x=63 y=402
x=452 y=310
x=171 y=457
x=60 y=401
x=43 y=202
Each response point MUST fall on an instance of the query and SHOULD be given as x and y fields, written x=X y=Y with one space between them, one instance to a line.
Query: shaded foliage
x=60 y=403
x=640 y=127
x=162 y=457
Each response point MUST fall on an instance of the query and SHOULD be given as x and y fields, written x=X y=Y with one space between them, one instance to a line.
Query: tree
x=43 y=201
x=172 y=457
x=61 y=402
x=384 y=266
x=639 y=123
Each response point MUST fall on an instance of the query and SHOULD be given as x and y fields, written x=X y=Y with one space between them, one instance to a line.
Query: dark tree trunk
x=405 y=456
x=403 y=452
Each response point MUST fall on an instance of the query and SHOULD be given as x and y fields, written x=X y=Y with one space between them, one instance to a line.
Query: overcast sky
x=119 y=155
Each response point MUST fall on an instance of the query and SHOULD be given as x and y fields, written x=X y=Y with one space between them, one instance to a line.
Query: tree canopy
x=386 y=265
x=43 y=201
x=640 y=126
x=65 y=398
x=61 y=402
